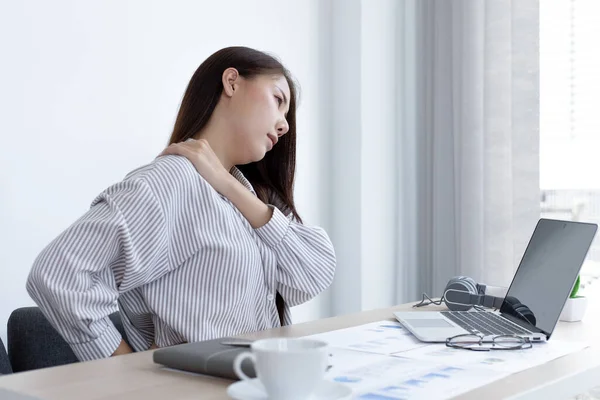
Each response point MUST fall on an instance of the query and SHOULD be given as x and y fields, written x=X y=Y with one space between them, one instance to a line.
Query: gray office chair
x=33 y=343
x=5 y=367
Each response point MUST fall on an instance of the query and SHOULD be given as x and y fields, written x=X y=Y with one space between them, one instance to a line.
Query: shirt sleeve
x=119 y=244
x=305 y=257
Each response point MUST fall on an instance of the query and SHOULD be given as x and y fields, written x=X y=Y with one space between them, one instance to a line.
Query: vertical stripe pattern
x=178 y=261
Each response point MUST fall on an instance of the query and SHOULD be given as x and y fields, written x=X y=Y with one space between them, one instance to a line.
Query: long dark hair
x=273 y=176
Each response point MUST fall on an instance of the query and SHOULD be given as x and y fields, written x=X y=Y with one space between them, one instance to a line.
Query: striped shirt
x=178 y=261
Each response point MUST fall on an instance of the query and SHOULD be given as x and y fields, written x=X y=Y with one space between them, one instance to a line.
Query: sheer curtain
x=430 y=109
x=474 y=138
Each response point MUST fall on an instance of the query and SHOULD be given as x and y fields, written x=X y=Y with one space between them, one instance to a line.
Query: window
x=570 y=115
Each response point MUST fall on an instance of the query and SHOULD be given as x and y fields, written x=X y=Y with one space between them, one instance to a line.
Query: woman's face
x=258 y=108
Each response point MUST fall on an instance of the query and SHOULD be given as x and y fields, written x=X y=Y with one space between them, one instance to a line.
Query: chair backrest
x=5 y=367
x=33 y=343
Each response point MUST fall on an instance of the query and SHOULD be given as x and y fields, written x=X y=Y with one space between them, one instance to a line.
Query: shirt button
x=270 y=297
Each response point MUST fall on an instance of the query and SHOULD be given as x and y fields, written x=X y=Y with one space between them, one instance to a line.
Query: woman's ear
x=230 y=81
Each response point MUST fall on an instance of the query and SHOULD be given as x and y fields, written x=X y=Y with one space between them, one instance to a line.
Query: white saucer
x=254 y=390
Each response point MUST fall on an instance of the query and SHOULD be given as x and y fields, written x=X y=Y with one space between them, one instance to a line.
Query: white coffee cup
x=289 y=369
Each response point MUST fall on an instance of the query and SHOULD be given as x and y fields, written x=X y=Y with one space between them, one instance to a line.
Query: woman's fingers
x=190 y=149
x=173 y=150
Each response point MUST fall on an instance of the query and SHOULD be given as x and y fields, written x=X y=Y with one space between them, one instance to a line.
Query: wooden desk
x=135 y=376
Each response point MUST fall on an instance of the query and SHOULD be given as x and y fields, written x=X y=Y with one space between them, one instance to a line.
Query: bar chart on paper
x=383 y=337
x=437 y=383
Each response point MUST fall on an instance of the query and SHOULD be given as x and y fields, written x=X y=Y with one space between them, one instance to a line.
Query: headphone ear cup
x=467 y=282
x=472 y=285
x=462 y=284
x=519 y=310
x=523 y=310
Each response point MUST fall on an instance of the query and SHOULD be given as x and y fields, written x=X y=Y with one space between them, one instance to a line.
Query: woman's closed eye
x=279 y=100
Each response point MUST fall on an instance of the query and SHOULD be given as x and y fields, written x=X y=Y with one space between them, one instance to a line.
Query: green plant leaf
x=575 y=288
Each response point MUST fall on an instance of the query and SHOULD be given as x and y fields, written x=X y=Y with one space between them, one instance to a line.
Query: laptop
x=535 y=298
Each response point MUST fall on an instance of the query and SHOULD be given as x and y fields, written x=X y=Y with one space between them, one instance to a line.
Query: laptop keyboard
x=484 y=322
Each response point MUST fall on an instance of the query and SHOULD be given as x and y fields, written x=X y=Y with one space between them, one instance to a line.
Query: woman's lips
x=273 y=139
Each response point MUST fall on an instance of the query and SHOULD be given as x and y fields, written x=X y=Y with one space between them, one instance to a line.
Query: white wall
x=364 y=163
x=90 y=90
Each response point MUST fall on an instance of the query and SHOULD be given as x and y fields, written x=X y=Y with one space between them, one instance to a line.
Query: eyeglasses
x=477 y=343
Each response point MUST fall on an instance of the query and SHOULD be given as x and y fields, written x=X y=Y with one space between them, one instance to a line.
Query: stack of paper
x=383 y=361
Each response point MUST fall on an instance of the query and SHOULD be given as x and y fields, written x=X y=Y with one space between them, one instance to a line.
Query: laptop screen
x=547 y=272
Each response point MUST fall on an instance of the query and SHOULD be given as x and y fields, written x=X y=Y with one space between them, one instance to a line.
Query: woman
x=205 y=241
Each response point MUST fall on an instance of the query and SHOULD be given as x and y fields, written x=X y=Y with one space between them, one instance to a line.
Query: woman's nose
x=282 y=128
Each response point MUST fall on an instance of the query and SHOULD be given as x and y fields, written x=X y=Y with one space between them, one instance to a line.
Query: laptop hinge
x=492 y=302
x=523 y=324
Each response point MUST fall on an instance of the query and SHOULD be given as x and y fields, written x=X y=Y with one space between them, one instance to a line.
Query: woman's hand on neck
x=200 y=153
x=207 y=163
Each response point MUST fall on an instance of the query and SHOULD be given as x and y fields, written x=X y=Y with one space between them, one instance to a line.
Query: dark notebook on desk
x=210 y=357
x=6 y=394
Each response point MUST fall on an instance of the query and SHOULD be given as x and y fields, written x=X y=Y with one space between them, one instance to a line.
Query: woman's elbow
x=330 y=267
x=36 y=283
x=325 y=271
x=39 y=284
